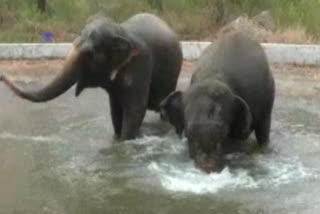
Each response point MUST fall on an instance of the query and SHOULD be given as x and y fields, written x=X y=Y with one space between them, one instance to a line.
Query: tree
x=42 y=5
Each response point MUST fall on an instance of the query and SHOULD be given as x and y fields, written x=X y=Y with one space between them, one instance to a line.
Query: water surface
x=60 y=157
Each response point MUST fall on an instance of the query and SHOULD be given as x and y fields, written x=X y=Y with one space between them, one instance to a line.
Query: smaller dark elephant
x=137 y=62
x=231 y=94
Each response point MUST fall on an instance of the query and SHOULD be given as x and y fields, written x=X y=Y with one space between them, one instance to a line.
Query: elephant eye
x=99 y=56
x=88 y=53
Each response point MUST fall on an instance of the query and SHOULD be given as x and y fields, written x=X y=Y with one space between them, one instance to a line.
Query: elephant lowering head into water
x=137 y=62
x=231 y=94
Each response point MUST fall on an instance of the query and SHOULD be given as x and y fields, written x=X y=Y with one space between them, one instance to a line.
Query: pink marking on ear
x=135 y=52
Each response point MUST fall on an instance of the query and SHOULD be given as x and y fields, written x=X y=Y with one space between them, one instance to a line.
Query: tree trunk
x=42 y=5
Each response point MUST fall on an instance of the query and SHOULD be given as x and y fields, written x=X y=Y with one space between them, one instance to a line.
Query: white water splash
x=189 y=179
x=146 y=140
x=166 y=159
x=194 y=181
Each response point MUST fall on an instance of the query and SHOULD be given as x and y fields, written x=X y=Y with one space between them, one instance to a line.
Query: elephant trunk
x=58 y=86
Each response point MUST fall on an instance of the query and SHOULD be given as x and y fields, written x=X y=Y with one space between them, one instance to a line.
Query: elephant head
x=101 y=50
x=209 y=114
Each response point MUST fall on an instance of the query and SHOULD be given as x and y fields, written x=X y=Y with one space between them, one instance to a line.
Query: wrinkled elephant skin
x=231 y=94
x=137 y=62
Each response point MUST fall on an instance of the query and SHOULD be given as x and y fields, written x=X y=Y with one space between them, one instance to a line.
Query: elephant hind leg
x=159 y=90
x=262 y=130
x=116 y=115
x=154 y=102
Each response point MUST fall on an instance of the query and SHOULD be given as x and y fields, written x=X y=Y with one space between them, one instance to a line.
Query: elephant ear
x=122 y=53
x=171 y=109
x=121 y=45
x=242 y=119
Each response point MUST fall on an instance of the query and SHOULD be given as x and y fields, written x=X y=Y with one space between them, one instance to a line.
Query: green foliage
x=303 y=13
x=21 y=21
x=287 y=13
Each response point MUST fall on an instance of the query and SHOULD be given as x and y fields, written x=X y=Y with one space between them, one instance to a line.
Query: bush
x=20 y=21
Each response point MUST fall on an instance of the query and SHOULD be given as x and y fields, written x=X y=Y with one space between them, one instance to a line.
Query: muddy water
x=60 y=157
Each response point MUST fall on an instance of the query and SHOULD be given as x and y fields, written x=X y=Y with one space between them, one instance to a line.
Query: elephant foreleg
x=132 y=120
x=116 y=115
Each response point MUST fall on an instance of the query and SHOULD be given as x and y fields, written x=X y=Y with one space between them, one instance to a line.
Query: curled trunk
x=58 y=86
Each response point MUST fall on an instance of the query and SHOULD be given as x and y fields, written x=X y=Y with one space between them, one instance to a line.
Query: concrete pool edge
x=276 y=53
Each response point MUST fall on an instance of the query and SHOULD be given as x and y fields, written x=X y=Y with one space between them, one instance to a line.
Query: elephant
x=231 y=94
x=136 y=62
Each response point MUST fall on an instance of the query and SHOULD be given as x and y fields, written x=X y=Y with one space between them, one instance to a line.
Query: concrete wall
x=34 y=50
x=277 y=53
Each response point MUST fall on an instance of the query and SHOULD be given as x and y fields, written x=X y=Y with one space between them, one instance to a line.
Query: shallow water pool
x=60 y=157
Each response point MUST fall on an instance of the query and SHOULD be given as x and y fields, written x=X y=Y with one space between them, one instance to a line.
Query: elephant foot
x=116 y=138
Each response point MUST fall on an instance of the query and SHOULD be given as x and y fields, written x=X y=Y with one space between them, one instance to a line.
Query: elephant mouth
x=209 y=163
x=91 y=80
x=81 y=85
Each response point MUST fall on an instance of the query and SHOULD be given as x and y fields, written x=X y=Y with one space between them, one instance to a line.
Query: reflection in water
x=40 y=139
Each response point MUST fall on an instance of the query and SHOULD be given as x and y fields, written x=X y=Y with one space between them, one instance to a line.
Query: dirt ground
x=41 y=70
x=29 y=71
x=38 y=70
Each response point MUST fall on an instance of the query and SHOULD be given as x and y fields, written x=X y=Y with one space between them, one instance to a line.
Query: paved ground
x=42 y=70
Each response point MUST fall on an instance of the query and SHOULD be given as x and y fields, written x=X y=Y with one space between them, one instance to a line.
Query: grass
x=20 y=21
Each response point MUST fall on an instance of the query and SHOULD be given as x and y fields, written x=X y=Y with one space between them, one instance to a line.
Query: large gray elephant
x=231 y=94
x=137 y=62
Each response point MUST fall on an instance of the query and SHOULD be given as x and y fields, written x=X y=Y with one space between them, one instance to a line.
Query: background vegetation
x=22 y=21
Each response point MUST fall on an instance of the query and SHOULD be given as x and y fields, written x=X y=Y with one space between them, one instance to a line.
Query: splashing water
x=196 y=182
x=273 y=173
x=165 y=160
x=59 y=157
